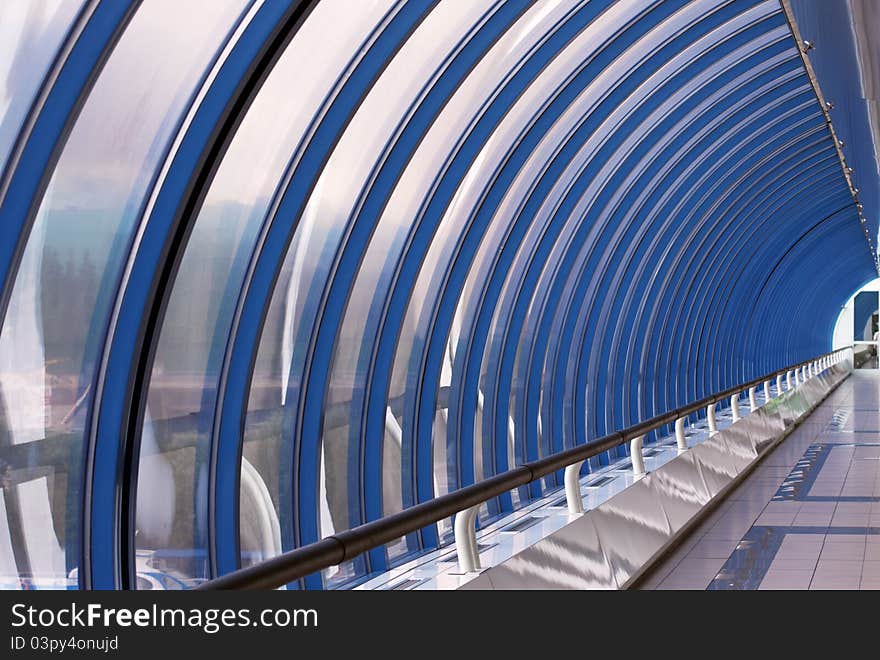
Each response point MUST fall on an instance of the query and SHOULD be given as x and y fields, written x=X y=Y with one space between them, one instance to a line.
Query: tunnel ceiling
x=272 y=269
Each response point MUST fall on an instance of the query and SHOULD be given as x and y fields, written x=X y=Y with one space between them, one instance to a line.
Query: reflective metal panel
x=611 y=545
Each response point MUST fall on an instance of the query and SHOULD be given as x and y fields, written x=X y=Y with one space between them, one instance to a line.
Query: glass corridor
x=272 y=269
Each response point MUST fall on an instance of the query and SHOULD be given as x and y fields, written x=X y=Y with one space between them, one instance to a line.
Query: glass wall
x=66 y=282
x=444 y=239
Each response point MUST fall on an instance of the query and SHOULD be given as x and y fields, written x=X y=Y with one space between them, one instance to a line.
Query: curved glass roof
x=273 y=268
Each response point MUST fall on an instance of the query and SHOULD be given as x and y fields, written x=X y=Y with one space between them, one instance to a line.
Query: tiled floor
x=807 y=518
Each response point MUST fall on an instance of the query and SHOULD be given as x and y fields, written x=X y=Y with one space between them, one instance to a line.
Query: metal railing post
x=638 y=459
x=680 y=439
x=753 y=402
x=573 y=488
x=710 y=417
x=787 y=381
x=466 y=540
x=766 y=391
x=734 y=406
x=778 y=384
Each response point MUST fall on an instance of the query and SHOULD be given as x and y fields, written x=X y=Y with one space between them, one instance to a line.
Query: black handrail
x=335 y=549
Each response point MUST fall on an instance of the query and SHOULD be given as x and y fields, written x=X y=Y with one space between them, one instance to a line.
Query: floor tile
x=787 y=580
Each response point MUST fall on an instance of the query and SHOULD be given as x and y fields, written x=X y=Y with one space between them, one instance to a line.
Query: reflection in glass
x=55 y=323
x=182 y=392
x=31 y=33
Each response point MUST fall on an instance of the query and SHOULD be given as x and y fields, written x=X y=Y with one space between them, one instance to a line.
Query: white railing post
x=710 y=417
x=734 y=406
x=797 y=381
x=573 y=488
x=766 y=391
x=787 y=381
x=753 y=402
x=638 y=460
x=466 y=540
x=680 y=439
x=778 y=384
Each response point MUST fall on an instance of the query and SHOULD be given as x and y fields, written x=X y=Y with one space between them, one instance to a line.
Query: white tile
x=787 y=580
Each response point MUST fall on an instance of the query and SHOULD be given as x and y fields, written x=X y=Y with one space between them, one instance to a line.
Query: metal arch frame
x=845 y=241
x=439 y=318
x=823 y=225
x=539 y=345
x=757 y=184
x=783 y=341
x=530 y=426
x=561 y=339
x=406 y=136
x=753 y=159
x=757 y=162
x=584 y=329
x=705 y=208
x=820 y=180
x=224 y=458
x=710 y=326
x=746 y=132
x=513 y=247
x=581 y=389
x=510 y=312
x=691 y=162
x=698 y=247
x=271 y=246
x=520 y=236
x=402 y=282
x=540 y=339
x=142 y=296
x=76 y=64
x=700 y=187
x=531 y=331
x=368 y=458
x=557 y=26
x=492 y=110
x=32 y=161
x=443 y=304
x=498 y=187
x=806 y=63
x=560 y=35
x=714 y=249
x=237 y=365
x=776 y=289
x=709 y=323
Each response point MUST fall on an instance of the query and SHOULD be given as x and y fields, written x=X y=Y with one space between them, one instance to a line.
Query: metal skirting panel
x=611 y=546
